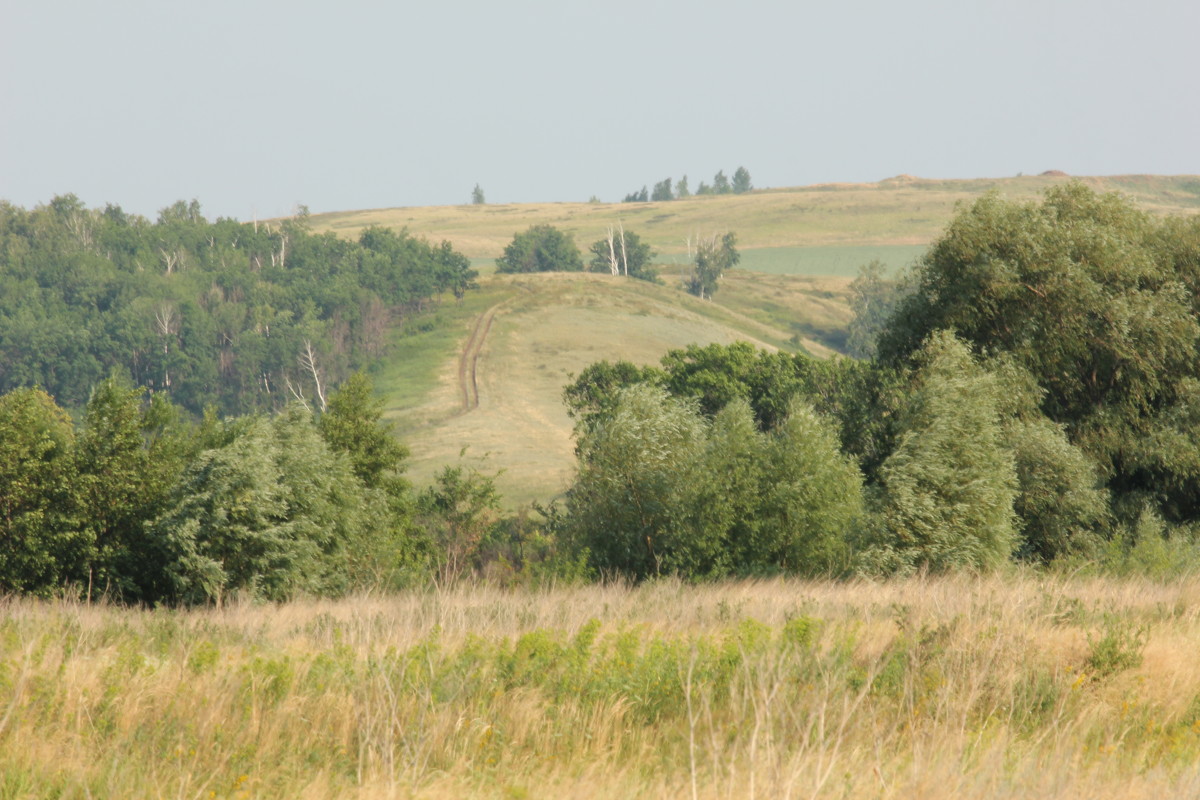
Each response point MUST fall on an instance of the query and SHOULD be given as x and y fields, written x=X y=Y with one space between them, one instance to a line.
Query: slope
x=490 y=394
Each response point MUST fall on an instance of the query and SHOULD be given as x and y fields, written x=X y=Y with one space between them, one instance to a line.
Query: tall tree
x=41 y=544
x=714 y=257
x=477 y=197
x=662 y=191
x=741 y=181
x=948 y=488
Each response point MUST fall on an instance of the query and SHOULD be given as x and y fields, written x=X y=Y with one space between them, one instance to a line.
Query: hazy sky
x=252 y=107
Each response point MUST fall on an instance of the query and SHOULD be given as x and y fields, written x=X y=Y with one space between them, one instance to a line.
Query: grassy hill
x=488 y=375
x=799 y=230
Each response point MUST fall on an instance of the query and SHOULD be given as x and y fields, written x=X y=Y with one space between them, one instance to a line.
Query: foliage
x=268 y=512
x=637 y=197
x=873 y=300
x=1097 y=301
x=662 y=191
x=541 y=248
x=662 y=490
x=947 y=491
x=477 y=198
x=721 y=183
x=625 y=253
x=681 y=188
x=457 y=512
x=635 y=469
x=129 y=454
x=206 y=313
x=41 y=546
x=741 y=181
x=713 y=259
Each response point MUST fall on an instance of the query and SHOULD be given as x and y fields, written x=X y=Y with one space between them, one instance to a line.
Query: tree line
x=664 y=190
x=241 y=316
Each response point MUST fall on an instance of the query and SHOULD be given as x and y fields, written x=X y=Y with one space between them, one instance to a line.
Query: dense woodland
x=234 y=315
x=1029 y=392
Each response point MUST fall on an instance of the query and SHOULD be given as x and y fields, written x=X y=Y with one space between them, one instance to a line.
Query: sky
x=253 y=107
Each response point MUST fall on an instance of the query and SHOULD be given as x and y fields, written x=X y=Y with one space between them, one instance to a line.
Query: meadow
x=1017 y=685
x=901 y=211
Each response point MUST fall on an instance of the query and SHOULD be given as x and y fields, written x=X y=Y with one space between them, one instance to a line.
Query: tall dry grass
x=997 y=687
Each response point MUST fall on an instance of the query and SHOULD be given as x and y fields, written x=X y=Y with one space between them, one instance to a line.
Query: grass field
x=898 y=211
x=1004 y=687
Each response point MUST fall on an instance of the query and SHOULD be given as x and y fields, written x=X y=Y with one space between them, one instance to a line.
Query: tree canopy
x=541 y=248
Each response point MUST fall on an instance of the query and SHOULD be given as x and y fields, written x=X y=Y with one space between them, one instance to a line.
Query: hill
x=488 y=376
x=823 y=229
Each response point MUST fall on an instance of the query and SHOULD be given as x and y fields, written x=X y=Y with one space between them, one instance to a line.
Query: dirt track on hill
x=468 y=361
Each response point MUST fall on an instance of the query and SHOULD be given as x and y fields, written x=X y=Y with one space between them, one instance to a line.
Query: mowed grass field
x=1002 y=687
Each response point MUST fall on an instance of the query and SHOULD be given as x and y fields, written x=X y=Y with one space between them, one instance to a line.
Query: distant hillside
x=898 y=212
x=489 y=375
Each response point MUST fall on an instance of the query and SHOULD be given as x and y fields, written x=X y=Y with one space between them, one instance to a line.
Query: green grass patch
x=828 y=261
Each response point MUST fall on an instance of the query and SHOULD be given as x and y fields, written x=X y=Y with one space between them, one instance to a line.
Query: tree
x=477 y=198
x=948 y=488
x=623 y=252
x=721 y=183
x=635 y=469
x=1090 y=296
x=873 y=299
x=129 y=454
x=458 y=510
x=542 y=248
x=41 y=544
x=662 y=191
x=741 y=181
x=268 y=510
x=713 y=258
x=681 y=188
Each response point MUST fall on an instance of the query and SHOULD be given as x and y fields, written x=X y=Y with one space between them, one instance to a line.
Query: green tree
x=129 y=454
x=741 y=181
x=1090 y=296
x=542 y=248
x=721 y=183
x=627 y=252
x=637 y=197
x=477 y=197
x=627 y=505
x=873 y=299
x=662 y=191
x=681 y=188
x=948 y=488
x=713 y=259
x=42 y=546
x=458 y=511
x=269 y=510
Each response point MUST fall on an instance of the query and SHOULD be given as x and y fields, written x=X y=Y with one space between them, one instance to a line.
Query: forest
x=1028 y=393
x=237 y=316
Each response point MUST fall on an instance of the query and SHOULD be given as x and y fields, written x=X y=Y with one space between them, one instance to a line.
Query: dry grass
x=898 y=211
x=954 y=687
